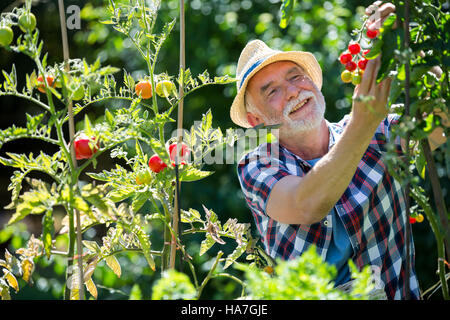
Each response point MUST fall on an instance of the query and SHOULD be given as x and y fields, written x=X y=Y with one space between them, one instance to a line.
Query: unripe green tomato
x=143 y=177
x=6 y=36
x=164 y=88
x=27 y=22
x=346 y=76
x=356 y=78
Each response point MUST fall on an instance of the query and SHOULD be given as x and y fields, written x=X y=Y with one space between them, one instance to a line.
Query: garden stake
x=408 y=186
x=176 y=212
x=72 y=149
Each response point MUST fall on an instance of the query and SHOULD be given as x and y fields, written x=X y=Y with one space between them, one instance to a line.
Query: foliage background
x=216 y=32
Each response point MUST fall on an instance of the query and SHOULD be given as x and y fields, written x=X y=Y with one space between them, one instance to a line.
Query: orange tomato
x=144 y=89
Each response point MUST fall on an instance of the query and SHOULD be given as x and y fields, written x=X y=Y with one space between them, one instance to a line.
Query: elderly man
x=327 y=184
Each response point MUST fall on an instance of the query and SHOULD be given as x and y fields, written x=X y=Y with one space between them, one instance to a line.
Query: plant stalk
x=437 y=194
x=408 y=156
x=65 y=43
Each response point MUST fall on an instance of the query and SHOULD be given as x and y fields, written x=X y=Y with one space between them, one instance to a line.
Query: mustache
x=305 y=94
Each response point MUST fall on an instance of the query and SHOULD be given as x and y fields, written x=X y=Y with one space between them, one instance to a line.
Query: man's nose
x=291 y=91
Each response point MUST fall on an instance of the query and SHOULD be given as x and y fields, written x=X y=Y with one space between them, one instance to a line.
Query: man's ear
x=253 y=119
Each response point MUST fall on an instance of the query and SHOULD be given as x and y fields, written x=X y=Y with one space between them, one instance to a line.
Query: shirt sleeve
x=257 y=176
x=384 y=135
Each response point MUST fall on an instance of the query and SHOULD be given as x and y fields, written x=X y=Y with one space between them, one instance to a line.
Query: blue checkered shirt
x=372 y=208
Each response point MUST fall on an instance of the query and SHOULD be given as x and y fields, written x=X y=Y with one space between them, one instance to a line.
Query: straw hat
x=255 y=56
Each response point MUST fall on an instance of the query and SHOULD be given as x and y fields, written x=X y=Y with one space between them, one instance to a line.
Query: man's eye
x=294 y=78
x=272 y=92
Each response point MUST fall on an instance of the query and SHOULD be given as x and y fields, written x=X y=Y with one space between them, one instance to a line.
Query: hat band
x=253 y=66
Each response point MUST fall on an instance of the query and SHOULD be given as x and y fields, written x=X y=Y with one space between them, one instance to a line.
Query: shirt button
x=326 y=223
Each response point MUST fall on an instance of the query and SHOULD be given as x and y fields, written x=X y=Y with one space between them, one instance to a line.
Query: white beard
x=291 y=128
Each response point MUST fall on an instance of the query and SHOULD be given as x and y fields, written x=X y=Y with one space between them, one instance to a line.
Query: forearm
x=320 y=189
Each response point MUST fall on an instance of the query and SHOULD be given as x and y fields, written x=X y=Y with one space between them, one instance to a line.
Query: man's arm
x=308 y=199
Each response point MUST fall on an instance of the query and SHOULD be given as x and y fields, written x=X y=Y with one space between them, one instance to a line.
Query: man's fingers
x=378 y=16
x=384 y=89
x=371 y=9
x=369 y=75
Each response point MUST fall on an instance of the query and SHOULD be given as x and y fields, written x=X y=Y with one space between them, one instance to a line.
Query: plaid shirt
x=372 y=208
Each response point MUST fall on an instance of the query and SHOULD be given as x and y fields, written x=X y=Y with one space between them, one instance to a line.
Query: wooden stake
x=65 y=43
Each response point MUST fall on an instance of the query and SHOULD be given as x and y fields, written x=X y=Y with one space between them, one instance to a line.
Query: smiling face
x=282 y=92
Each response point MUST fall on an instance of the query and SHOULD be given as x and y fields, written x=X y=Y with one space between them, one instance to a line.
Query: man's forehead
x=262 y=77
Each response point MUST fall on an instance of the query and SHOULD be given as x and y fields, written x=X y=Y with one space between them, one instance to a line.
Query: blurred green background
x=216 y=32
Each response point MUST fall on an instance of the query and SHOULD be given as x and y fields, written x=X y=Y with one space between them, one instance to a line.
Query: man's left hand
x=378 y=12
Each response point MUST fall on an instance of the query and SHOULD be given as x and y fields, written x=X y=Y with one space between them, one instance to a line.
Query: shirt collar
x=333 y=135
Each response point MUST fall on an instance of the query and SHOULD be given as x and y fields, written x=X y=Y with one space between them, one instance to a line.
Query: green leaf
x=92 y=246
x=235 y=254
x=109 y=117
x=193 y=174
x=206 y=244
x=114 y=265
x=159 y=149
x=287 y=8
x=145 y=243
x=421 y=164
x=139 y=200
x=87 y=126
x=375 y=50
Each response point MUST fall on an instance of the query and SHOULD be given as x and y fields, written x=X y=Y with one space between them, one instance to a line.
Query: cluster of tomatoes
x=26 y=23
x=163 y=89
x=156 y=165
x=354 y=60
x=86 y=147
x=416 y=218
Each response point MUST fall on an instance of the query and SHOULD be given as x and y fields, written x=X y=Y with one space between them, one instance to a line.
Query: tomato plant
x=116 y=197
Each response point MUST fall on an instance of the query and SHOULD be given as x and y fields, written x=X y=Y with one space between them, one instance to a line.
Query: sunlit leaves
x=287 y=8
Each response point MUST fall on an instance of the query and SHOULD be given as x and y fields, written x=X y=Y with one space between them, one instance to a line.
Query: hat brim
x=306 y=60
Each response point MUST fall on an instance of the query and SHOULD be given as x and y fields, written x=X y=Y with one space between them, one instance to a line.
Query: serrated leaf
x=287 y=7
x=235 y=254
x=92 y=246
x=375 y=50
x=145 y=243
x=206 y=244
x=194 y=174
x=4 y=291
x=109 y=117
x=139 y=200
x=90 y=286
x=121 y=194
x=114 y=265
x=87 y=126
x=27 y=269
x=12 y=281
x=159 y=149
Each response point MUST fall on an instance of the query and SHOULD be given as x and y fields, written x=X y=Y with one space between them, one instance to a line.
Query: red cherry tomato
x=345 y=57
x=350 y=66
x=412 y=220
x=85 y=147
x=156 y=164
x=41 y=85
x=371 y=34
x=354 y=48
x=183 y=154
x=362 y=63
